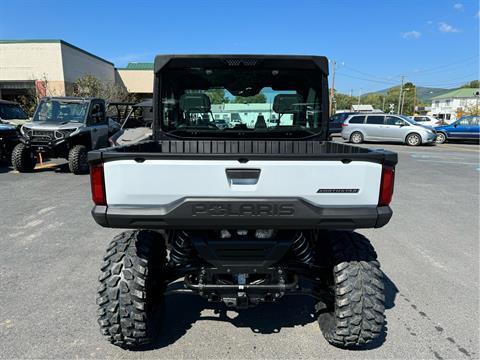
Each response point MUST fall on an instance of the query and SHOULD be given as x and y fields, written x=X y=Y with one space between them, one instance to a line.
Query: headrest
x=287 y=103
x=197 y=103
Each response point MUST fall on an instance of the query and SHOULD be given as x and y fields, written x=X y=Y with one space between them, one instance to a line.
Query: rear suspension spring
x=302 y=248
x=182 y=249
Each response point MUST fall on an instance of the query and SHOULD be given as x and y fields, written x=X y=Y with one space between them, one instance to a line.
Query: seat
x=289 y=104
x=197 y=103
x=260 y=123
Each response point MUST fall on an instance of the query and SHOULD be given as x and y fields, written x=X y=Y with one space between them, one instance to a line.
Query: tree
x=472 y=84
x=90 y=86
x=343 y=101
x=217 y=96
x=259 y=98
x=472 y=110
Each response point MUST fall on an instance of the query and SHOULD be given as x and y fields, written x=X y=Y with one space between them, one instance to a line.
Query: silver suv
x=386 y=128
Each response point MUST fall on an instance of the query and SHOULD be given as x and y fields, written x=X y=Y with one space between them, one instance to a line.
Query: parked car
x=426 y=120
x=63 y=127
x=465 y=128
x=336 y=121
x=12 y=113
x=137 y=125
x=221 y=123
x=8 y=139
x=386 y=128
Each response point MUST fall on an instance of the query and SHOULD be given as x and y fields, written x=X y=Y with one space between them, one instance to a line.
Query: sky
x=433 y=43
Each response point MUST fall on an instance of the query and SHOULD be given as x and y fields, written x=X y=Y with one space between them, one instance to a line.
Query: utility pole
x=332 y=89
x=414 y=98
x=403 y=101
x=400 y=95
x=359 y=96
x=383 y=106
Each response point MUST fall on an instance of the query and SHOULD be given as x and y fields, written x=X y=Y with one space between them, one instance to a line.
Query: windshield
x=11 y=112
x=409 y=120
x=61 y=111
x=258 y=102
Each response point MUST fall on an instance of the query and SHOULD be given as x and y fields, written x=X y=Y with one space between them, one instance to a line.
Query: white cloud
x=458 y=6
x=429 y=22
x=446 y=28
x=477 y=14
x=411 y=34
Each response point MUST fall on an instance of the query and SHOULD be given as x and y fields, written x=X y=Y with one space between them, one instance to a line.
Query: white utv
x=137 y=125
x=64 y=127
x=245 y=214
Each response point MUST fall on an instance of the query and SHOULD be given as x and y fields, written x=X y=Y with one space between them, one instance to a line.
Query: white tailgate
x=159 y=182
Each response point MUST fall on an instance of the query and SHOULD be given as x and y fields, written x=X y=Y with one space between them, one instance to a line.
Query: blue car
x=465 y=128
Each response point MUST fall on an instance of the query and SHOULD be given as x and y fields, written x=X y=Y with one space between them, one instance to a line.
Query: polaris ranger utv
x=245 y=214
x=64 y=127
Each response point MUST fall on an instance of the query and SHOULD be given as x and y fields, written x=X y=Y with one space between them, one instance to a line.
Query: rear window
x=357 y=120
x=259 y=101
x=375 y=120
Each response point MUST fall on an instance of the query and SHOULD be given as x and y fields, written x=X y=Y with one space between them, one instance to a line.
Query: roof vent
x=241 y=62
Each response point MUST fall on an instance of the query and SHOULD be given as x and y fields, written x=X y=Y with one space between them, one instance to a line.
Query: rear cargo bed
x=242 y=184
x=244 y=150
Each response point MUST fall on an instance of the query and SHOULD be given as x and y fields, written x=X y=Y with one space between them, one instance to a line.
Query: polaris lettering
x=243 y=209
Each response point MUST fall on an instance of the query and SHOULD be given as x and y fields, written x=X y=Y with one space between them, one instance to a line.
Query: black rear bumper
x=241 y=213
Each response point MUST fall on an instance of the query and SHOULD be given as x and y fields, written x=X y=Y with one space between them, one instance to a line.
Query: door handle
x=243 y=176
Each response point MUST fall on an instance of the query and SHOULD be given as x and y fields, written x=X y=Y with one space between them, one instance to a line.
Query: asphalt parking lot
x=51 y=250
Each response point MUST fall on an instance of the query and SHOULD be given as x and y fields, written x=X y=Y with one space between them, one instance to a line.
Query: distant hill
x=424 y=94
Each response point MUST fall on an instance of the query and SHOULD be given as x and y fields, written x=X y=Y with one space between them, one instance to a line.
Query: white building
x=451 y=106
x=25 y=62
x=27 y=66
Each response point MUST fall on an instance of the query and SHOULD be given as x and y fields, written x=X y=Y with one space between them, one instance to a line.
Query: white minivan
x=386 y=128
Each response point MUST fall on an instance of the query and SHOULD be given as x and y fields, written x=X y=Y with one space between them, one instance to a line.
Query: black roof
x=70 y=98
x=280 y=61
x=7 y=102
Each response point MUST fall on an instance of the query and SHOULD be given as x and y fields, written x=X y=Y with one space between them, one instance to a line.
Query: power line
x=365 y=79
x=388 y=81
x=367 y=74
x=444 y=66
x=451 y=82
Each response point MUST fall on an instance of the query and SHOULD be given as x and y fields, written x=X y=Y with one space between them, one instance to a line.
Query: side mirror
x=455 y=125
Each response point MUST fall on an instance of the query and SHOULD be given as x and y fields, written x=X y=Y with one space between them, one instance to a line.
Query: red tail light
x=98 y=184
x=344 y=124
x=386 y=185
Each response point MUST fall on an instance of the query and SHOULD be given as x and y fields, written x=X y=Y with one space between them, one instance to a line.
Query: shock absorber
x=302 y=248
x=182 y=249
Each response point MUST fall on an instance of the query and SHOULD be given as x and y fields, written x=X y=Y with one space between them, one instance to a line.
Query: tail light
x=386 y=185
x=344 y=124
x=98 y=184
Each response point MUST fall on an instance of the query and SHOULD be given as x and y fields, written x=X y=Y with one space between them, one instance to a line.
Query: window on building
x=447 y=102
